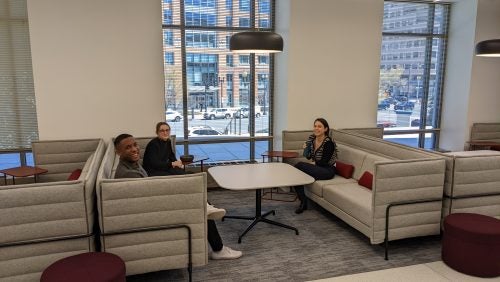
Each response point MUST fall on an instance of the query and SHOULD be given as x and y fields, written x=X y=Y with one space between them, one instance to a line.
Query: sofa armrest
x=407 y=181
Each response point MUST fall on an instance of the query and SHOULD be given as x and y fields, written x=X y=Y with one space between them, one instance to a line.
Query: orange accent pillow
x=75 y=174
x=366 y=180
x=344 y=170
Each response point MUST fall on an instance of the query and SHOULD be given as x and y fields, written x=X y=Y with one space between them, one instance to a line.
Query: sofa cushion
x=317 y=186
x=344 y=169
x=352 y=199
x=366 y=180
x=75 y=174
x=352 y=156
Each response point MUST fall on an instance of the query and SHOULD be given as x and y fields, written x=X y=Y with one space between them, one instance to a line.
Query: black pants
x=214 y=238
x=317 y=172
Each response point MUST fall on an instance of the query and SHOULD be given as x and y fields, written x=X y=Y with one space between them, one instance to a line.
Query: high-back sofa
x=407 y=188
x=46 y=221
x=154 y=223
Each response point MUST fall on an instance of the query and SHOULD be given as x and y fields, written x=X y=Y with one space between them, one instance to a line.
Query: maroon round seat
x=94 y=266
x=471 y=244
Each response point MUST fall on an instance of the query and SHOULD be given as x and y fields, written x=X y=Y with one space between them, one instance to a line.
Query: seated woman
x=322 y=151
x=159 y=160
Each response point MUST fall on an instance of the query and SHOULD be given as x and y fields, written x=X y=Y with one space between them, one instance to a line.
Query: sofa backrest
x=61 y=157
x=377 y=132
x=485 y=131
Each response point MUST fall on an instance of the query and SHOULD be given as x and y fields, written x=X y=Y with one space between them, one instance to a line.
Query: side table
x=22 y=171
x=196 y=159
x=482 y=145
x=283 y=155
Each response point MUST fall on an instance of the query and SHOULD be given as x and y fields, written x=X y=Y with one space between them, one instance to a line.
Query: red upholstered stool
x=471 y=244
x=95 y=267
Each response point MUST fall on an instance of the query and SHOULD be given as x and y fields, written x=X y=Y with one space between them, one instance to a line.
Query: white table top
x=258 y=176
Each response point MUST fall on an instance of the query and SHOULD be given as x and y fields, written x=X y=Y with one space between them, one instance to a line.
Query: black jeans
x=214 y=238
x=317 y=172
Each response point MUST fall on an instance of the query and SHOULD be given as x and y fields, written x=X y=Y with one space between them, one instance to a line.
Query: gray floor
x=326 y=246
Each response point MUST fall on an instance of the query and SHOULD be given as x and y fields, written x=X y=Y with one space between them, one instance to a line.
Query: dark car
x=404 y=106
x=383 y=105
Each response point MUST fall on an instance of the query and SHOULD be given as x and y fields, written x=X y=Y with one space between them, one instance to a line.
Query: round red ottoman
x=95 y=267
x=471 y=244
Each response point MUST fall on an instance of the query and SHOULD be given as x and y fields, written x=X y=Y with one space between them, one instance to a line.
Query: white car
x=172 y=115
x=202 y=131
x=243 y=112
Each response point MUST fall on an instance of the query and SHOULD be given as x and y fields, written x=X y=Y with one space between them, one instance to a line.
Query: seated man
x=129 y=167
x=159 y=160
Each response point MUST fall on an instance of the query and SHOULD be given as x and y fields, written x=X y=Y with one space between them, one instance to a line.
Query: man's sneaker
x=214 y=213
x=226 y=253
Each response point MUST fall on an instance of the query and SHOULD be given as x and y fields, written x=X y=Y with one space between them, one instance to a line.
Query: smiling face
x=128 y=150
x=319 y=129
x=163 y=132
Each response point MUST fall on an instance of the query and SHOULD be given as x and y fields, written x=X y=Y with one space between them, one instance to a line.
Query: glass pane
x=9 y=160
x=437 y=60
x=238 y=151
x=411 y=139
x=29 y=159
x=401 y=79
x=173 y=81
x=440 y=19
x=406 y=17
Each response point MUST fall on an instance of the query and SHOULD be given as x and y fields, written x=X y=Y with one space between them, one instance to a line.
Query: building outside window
x=208 y=87
x=411 y=72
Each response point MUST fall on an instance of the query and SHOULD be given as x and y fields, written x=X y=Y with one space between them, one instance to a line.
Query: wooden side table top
x=483 y=143
x=23 y=171
x=280 y=154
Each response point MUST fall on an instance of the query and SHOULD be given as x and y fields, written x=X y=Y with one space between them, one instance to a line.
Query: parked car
x=202 y=131
x=244 y=112
x=217 y=113
x=172 y=115
x=386 y=124
x=383 y=105
x=404 y=106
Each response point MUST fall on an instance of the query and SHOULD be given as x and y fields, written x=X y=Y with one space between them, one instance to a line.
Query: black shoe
x=301 y=208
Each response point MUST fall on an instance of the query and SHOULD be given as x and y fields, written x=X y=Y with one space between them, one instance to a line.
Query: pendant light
x=256 y=42
x=488 y=48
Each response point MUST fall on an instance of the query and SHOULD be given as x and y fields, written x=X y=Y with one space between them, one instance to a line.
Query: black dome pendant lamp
x=488 y=48
x=256 y=42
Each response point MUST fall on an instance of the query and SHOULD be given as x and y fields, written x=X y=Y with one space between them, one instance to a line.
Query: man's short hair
x=120 y=138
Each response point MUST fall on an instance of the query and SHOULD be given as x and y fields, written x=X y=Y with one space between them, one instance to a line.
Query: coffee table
x=257 y=177
x=22 y=171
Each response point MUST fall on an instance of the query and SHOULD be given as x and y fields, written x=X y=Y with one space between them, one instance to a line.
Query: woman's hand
x=304 y=145
x=177 y=164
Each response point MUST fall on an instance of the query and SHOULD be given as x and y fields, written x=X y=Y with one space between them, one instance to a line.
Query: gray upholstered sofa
x=472 y=183
x=406 y=197
x=46 y=221
x=377 y=132
x=485 y=132
x=145 y=221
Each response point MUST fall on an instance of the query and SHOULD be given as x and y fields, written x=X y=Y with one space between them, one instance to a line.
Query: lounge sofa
x=377 y=132
x=154 y=223
x=485 y=132
x=472 y=183
x=407 y=189
x=46 y=221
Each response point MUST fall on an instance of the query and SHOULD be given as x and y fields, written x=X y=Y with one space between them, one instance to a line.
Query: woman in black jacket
x=321 y=150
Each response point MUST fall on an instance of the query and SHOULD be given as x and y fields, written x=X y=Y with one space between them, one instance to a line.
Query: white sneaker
x=226 y=253
x=214 y=213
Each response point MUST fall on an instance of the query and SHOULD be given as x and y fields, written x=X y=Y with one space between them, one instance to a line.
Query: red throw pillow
x=344 y=170
x=75 y=174
x=366 y=180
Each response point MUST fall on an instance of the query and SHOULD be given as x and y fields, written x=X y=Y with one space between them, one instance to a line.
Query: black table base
x=259 y=217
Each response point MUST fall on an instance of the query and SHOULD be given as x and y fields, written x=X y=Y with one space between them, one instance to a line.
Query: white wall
x=97 y=67
x=472 y=85
x=330 y=66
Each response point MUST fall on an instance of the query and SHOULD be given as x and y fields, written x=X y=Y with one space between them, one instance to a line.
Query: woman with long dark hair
x=321 y=150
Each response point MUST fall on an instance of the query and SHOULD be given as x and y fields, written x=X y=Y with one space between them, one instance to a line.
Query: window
x=244 y=59
x=18 y=121
x=244 y=22
x=209 y=77
x=244 y=5
x=410 y=91
x=169 y=58
x=229 y=60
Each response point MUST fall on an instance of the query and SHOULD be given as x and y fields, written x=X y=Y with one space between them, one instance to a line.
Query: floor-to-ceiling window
x=18 y=122
x=412 y=71
x=217 y=103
